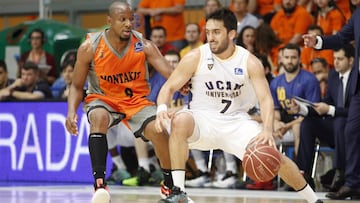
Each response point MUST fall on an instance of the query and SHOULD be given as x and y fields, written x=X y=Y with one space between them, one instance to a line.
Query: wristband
x=160 y=108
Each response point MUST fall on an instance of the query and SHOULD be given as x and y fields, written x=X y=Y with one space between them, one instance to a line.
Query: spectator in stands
x=268 y=44
x=159 y=37
x=320 y=69
x=209 y=7
x=294 y=82
x=192 y=37
x=4 y=76
x=265 y=9
x=246 y=38
x=168 y=14
x=328 y=16
x=44 y=60
x=309 y=53
x=326 y=120
x=67 y=75
x=291 y=22
x=244 y=17
x=30 y=86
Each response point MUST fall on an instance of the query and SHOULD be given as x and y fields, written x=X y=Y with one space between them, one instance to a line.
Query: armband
x=160 y=108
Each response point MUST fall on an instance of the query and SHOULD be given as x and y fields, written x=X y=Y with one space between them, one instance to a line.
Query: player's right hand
x=71 y=123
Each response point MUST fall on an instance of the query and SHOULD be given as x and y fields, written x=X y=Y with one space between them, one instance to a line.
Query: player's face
x=121 y=21
x=217 y=36
x=291 y=60
x=341 y=62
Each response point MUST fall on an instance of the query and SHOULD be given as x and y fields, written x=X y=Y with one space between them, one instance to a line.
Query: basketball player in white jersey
x=226 y=81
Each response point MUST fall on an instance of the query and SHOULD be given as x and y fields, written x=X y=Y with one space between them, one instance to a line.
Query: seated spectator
x=44 y=60
x=268 y=44
x=320 y=69
x=168 y=14
x=244 y=17
x=246 y=38
x=30 y=86
x=309 y=53
x=291 y=22
x=4 y=76
x=329 y=17
x=192 y=37
x=209 y=7
x=67 y=75
x=158 y=36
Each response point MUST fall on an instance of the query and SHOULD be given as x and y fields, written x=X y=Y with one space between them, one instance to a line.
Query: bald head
x=117 y=6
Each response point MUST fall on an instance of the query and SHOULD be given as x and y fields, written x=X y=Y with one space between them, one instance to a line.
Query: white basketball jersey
x=222 y=86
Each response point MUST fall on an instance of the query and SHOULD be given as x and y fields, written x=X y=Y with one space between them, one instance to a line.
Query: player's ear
x=232 y=34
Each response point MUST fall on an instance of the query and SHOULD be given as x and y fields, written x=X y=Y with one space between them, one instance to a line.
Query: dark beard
x=289 y=10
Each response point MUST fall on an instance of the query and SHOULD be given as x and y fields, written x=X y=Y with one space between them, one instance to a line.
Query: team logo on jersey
x=210 y=63
x=239 y=71
x=138 y=46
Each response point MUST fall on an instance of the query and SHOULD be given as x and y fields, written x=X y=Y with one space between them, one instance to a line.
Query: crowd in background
x=271 y=30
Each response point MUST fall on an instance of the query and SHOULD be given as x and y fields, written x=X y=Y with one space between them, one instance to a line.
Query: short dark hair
x=31 y=66
x=226 y=16
x=348 y=49
x=158 y=28
x=67 y=63
x=3 y=65
x=319 y=60
x=173 y=52
x=293 y=47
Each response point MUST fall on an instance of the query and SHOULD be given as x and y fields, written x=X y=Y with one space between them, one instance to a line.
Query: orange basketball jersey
x=119 y=79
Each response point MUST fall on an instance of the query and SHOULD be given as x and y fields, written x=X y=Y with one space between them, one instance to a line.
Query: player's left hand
x=265 y=137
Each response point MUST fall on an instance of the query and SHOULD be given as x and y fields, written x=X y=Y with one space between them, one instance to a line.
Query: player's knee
x=99 y=117
x=182 y=121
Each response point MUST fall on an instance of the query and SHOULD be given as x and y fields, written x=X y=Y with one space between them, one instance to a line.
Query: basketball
x=261 y=162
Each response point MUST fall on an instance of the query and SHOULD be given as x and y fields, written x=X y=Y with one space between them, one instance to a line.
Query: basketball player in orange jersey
x=226 y=81
x=115 y=63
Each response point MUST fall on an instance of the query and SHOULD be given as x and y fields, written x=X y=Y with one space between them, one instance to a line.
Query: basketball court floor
x=120 y=194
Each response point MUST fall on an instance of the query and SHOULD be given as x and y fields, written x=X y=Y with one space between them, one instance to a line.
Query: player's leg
x=99 y=121
x=182 y=126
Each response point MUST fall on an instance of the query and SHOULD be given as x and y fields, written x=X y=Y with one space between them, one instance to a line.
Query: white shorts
x=120 y=135
x=228 y=133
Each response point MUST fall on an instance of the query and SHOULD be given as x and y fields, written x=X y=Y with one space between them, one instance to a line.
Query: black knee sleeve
x=98 y=149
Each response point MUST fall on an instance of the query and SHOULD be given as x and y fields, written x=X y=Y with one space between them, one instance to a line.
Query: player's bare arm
x=180 y=76
x=262 y=90
x=84 y=58
x=156 y=59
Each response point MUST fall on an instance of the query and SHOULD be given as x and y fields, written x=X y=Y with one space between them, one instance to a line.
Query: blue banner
x=35 y=146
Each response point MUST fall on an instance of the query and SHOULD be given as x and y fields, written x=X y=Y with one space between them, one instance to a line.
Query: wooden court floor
x=120 y=194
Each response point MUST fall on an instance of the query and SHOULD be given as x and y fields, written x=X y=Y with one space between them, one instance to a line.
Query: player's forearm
x=267 y=114
x=74 y=99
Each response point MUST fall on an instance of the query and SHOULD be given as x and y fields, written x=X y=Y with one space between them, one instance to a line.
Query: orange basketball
x=261 y=162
